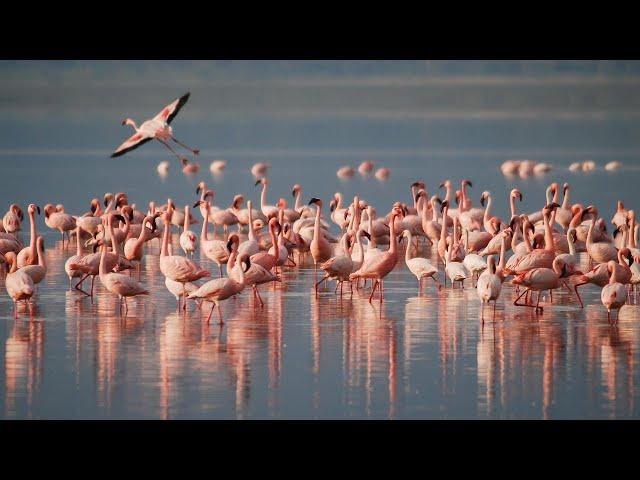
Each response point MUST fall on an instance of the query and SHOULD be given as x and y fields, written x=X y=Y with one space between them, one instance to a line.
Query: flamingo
x=56 y=220
x=614 y=294
x=600 y=252
x=269 y=211
x=320 y=247
x=117 y=283
x=378 y=267
x=220 y=289
x=74 y=273
x=12 y=219
x=249 y=246
x=156 y=128
x=18 y=283
x=215 y=250
x=254 y=275
x=188 y=239
x=29 y=255
x=489 y=285
x=39 y=271
x=564 y=214
x=366 y=167
x=265 y=259
x=620 y=217
x=338 y=267
x=456 y=271
x=419 y=266
x=177 y=268
x=133 y=250
x=539 y=279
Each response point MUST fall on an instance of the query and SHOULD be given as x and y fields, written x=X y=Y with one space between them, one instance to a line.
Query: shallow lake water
x=415 y=356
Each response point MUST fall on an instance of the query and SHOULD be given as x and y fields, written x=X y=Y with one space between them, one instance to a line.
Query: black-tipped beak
x=230 y=245
x=468 y=182
x=257 y=182
x=119 y=217
x=439 y=200
x=482 y=200
x=521 y=196
x=457 y=200
x=616 y=232
x=512 y=223
x=106 y=202
x=630 y=258
x=441 y=185
x=332 y=207
x=195 y=205
x=198 y=190
x=293 y=193
x=415 y=184
x=38 y=209
x=124 y=122
x=366 y=234
x=313 y=200
x=444 y=205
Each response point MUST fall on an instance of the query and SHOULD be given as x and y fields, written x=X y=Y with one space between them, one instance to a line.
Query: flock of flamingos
x=534 y=252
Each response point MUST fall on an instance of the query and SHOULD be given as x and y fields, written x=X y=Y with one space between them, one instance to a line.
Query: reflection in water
x=414 y=356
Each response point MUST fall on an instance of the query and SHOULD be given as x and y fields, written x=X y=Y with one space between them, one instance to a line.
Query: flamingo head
x=201 y=186
x=332 y=205
x=316 y=201
x=565 y=187
x=573 y=235
x=107 y=198
x=483 y=198
x=33 y=208
x=49 y=209
x=515 y=193
x=421 y=193
x=232 y=239
x=418 y=184
x=466 y=182
x=296 y=189
x=444 y=205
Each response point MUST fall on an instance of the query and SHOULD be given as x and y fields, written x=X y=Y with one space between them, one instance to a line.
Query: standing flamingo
x=320 y=247
x=378 y=267
x=614 y=294
x=39 y=271
x=29 y=255
x=489 y=285
x=338 y=267
x=18 y=283
x=188 y=239
x=419 y=266
x=12 y=219
x=539 y=279
x=215 y=250
x=156 y=128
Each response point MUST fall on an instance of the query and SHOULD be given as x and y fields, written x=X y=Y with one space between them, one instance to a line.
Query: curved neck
x=503 y=251
x=548 y=234
x=572 y=248
x=525 y=238
x=393 y=241
x=115 y=246
x=590 y=232
x=487 y=211
x=298 y=204
x=263 y=195
x=252 y=233
x=512 y=203
x=34 y=234
x=274 y=242
x=407 y=253
x=316 y=224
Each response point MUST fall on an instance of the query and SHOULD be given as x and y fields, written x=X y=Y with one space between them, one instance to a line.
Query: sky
x=287 y=106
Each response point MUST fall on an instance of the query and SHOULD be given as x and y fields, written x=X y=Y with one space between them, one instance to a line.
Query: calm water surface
x=416 y=356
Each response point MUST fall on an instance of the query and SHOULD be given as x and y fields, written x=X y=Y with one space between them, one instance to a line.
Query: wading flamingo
x=489 y=286
x=419 y=266
x=614 y=294
x=117 y=283
x=29 y=255
x=18 y=283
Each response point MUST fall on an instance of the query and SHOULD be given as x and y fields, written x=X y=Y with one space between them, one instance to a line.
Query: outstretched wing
x=132 y=142
x=169 y=112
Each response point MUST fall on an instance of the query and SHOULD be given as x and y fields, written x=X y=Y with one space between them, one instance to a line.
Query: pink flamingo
x=156 y=128
x=12 y=219
x=18 y=283
x=614 y=294
x=39 y=271
x=177 y=268
x=539 y=279
x=215 y=250
x=378 y=267
x=29 y=255
x=117 y=283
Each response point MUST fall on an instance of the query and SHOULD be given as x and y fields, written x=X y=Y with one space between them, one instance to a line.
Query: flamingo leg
x=318 y=283
x=575 y=288
x=255 y=289
x=220 y=315
x=519 y=297
x=373 y=290
x=195 y=151
x=170 y=149
x=538 y=307
x=213 y=305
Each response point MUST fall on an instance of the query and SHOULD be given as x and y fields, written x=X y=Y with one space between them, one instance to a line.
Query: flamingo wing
x=169 y=112
x=134 y=141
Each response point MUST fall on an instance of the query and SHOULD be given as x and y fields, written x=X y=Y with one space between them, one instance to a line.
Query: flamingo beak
x=366 y=234
x=616 y=232
x=441 y=185
x=257 y=182
x=124 y=122
x=630 y=258
x=468 y=182
x=293 y=193
x=229 y=245
x=106 y=202
x=38 y=209
x=482 y=199
x=199 y=202
x=313 y=200
x=198 y=190
x=520 y=195
x=444 y=205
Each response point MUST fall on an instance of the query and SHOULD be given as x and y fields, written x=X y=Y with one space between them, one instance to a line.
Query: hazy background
x=279 y=108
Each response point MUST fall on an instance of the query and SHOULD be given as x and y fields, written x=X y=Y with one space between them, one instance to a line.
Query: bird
x=74 y=259
x=29 y=255
x=489 y=285
x=59 y=220
x=159 y=128
x=12 y=219
x=419 y=266
x=188 y=239
x=39 y=271
x=117 y=283
x=338 y=267
x=213 y=249
x=378 y=267
x=456 y=271
x=177 y=268
x=220 y=289
x=614 y=294
x=540 y=279
x=320 y=247
x=18 y=283
x=269 y=211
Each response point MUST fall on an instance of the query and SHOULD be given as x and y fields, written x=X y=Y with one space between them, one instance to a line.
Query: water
x=414 y=356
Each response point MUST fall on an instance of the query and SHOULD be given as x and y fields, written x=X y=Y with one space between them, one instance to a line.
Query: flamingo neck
x=32 y=244
x=298 y=204
x=359 y=242
x=548 y=234
x=102 y=270
x=572 y=248
x=252 y=233
x=263 y=196
x=565 y=200
x=393 y=241
x=443 y=230
x=525 y=238
x=205 y=224
x=164 y=251
x=274 y=242
x=41 y=259
x=115 y=246
x=512 y=203
x=372 y=240
x=407 y=253
x=316 y=224
x=132 y=123
x=78 y=243
x=503 y=250
x=185 y=225
x=487 y=211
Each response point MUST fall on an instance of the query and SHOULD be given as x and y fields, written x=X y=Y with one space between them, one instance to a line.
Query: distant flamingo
x=156 y=128
x=215 y=250
x=63 y=222
x=74 y=273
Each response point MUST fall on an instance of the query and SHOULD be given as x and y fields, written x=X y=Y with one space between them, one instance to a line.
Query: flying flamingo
x=156 y=128
x=614 y=294
x=29 y=255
